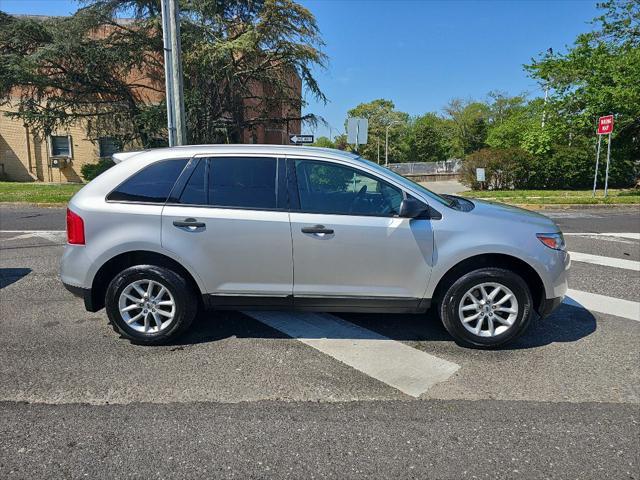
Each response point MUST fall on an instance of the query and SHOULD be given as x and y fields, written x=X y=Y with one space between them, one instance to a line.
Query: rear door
x=230 y=222
x=350 y=248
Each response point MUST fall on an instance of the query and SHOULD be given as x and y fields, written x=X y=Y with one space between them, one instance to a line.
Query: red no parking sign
x=605 y=125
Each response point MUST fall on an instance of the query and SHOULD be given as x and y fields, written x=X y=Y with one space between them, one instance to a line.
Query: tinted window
x=331 y=188
x=195 y=191
x=243 y=182
x=152 y=184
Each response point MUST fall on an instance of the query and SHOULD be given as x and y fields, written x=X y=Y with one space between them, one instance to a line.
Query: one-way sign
x=297 y=139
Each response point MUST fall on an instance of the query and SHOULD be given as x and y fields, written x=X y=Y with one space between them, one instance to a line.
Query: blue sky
x=419 y=54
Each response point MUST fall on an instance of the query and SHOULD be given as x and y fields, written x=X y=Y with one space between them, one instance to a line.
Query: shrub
x=92 y=170
x=504 y=168
x=564 y=167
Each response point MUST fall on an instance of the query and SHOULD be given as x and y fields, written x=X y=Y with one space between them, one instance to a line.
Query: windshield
x=438 y=198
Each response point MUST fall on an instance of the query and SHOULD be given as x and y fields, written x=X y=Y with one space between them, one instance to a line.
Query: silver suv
x=166 y=232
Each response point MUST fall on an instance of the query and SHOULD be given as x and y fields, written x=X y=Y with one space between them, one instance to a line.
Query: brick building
x=26 y=157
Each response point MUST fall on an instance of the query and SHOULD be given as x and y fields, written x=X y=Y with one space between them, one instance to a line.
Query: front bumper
x=85 y=294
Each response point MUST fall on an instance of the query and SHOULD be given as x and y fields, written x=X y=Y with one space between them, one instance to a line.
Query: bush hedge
x=563 y=168
x=92 y=170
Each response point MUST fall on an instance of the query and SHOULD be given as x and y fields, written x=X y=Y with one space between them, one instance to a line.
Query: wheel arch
x=499 y=260
x=124 y=260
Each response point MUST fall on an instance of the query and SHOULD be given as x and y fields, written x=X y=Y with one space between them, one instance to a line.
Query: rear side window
x=243 y=182
x=150 y=185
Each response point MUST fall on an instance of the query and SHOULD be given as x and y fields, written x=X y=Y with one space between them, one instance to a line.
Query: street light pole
x=386 y=143
x=173 y=72
x=168 y=75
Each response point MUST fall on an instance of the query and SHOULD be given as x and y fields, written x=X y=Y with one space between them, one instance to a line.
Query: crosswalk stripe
x=629 y=235
x=603 y=304
x=405 y=368
x=606 y=261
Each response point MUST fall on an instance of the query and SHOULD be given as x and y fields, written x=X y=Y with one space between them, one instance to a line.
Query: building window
x=108 y=146
x=60 y=146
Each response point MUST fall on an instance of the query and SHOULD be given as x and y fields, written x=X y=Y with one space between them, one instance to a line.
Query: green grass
x=37 y=192
x=558 y=197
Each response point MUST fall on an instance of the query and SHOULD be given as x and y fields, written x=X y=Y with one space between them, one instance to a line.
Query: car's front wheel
x=487 y=307
x=150 y=305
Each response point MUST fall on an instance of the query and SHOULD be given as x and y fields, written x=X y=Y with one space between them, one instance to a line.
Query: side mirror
x=412 y=208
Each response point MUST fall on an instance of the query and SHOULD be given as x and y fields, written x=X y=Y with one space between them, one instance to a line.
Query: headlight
x=552 y=240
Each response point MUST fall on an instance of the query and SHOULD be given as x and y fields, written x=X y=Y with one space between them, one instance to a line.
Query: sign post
x=605 y=127
x=480 y=177
x=595 y=177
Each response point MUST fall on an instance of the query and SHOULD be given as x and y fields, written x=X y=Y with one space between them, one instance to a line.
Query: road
x=239 y=398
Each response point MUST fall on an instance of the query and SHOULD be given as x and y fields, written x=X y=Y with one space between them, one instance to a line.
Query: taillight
x=75 y=228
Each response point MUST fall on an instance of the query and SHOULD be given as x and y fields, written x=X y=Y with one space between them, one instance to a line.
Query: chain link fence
x=427 y=168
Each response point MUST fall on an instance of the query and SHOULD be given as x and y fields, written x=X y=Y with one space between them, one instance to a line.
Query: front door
x=231 y=225
x=350 y=248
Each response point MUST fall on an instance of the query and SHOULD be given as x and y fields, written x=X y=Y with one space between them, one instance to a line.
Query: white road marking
x=603 y=304
x=606 y=261
x=629 y=235
x=571 y=215
x=409 y=370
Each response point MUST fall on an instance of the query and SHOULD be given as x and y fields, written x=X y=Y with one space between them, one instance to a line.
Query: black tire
x=185 y=299
x=450 y=303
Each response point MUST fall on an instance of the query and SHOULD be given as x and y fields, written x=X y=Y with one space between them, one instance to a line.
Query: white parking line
x=409 y=370
x=603 y=304
x=606 y=261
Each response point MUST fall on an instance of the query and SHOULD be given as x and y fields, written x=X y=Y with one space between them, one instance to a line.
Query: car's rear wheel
x=487 y=307
x=150 y=305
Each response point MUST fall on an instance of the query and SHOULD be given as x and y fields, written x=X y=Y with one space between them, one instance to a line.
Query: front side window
x=243 y=182
x=151 y=184
x=332 y=188
x=60 y=146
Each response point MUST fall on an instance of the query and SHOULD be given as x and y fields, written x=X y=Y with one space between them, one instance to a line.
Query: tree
x=429 y=139
x=470 y=123
x=324 y=142
x=598 y=75
x=240 y=62
x=380 y=114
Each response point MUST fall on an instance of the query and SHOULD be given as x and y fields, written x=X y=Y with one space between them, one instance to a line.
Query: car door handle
x=317 y=229
x=190 y=223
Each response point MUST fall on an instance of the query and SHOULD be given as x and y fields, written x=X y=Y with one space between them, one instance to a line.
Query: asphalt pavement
x=237 y=397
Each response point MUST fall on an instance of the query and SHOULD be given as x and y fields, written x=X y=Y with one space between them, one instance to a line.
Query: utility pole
x=546 y=92
x=544 y=108
x=173 y=72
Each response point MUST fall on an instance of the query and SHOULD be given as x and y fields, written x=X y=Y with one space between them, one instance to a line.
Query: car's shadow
x=12 y=275
x=567 y=324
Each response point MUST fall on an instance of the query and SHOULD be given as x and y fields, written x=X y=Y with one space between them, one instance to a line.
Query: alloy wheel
x=488 y=309
x=147 y=306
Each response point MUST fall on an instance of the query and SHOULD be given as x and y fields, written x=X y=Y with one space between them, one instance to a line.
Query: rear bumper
x=85 y=294
x=548 y=305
